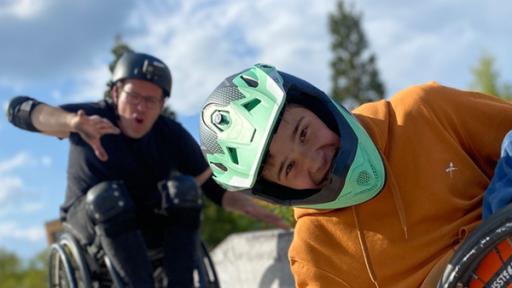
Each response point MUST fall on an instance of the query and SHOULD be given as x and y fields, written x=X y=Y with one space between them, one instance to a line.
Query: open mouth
x=139 y=120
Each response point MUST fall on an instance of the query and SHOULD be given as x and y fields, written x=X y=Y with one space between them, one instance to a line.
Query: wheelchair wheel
x=485 y=258
x=67 y=266
x=205 y=274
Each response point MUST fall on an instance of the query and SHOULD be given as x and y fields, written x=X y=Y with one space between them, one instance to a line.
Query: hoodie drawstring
x=397 y=199
x=364 y=248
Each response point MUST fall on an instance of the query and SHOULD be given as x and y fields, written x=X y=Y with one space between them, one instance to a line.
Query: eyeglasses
x=135 y=98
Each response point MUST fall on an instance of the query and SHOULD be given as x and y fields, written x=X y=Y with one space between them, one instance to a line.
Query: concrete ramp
x=254 y=260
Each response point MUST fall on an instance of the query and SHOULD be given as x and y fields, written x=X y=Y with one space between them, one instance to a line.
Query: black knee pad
x=180 y=191
x=110 y=206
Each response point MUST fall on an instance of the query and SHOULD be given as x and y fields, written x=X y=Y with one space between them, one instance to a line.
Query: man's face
x=301 y=151
x=138 y=104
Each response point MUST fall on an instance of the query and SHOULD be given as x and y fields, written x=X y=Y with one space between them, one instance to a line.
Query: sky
x=57 y=51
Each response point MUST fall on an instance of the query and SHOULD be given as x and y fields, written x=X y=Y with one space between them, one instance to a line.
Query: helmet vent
x=251 y=104
x=233 y=155
x=249 y=81
x=363 y=178
x=219 y=166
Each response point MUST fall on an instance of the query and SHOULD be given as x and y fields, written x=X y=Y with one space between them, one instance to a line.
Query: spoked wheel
x=60 y=270
x=485 y=258
x=205 y=274
x=67 y=264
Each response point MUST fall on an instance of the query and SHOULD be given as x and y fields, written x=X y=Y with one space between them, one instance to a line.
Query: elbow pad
x=20 y=110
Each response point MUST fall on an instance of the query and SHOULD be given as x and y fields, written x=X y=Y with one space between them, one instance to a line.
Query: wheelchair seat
x=72 y=265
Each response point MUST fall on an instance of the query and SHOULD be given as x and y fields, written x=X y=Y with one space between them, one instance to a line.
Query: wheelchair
x=74 y=266
x=485 y=258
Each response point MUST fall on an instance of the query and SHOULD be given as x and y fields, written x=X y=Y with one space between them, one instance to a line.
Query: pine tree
x=355 y=77
x=120 y=47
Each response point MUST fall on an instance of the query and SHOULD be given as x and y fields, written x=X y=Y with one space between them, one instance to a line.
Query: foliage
x=486 y=79
x=355 y=77
x=219 y=223
x=15 y=274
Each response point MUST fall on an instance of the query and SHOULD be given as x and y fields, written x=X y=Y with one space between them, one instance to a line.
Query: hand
x=91 y=129
x=236 y=201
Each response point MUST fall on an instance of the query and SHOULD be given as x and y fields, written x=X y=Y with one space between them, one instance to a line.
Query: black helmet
x=141 y=66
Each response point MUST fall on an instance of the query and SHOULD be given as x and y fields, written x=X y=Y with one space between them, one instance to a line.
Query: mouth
x=139 y=119
x=329 y=165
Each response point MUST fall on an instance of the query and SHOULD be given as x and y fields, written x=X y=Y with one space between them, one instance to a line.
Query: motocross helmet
x=242 y=114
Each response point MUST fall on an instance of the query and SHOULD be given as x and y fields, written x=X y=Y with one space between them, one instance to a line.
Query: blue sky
x=58 y=51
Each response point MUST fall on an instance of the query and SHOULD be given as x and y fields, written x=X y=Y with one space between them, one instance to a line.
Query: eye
x=303 y=134
x=289 y=168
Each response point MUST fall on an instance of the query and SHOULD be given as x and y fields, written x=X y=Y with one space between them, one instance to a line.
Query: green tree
x=219 y=223
x=120 y=47
x=14 y=274
x=486 y=79
x=354 y=74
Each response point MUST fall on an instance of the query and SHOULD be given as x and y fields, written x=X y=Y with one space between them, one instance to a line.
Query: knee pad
x=109 y=202
x=180 y=191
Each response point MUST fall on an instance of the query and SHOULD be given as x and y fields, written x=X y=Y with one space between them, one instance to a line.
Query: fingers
x=99 y=151
x=103 y=126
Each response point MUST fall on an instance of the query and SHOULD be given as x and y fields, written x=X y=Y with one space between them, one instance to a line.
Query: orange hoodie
x=440 y=146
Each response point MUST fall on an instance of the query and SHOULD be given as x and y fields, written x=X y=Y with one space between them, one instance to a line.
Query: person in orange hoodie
x=382 y=195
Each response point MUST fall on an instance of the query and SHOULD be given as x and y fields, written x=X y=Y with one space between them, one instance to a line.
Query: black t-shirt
x=140 y=163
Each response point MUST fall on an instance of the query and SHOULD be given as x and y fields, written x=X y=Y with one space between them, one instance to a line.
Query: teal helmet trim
x=133 y=65
x=357 y=172
x=366 y=175
x=242 y=120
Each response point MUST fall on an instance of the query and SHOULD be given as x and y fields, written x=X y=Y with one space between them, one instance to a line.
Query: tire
x=485 y=257
x=207 y=274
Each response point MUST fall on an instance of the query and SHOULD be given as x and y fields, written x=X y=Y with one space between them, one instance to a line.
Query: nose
x=313 y=161
x=142 y=105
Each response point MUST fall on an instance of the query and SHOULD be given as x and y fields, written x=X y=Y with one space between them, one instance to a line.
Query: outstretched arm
x=29 y=114
x=241 y=203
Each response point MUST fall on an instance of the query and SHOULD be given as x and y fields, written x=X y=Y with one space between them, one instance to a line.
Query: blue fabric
x=499 y=192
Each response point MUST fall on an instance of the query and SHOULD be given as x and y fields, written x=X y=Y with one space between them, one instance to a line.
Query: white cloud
x=91 y=84
x=56 y=94
x=18 y=160
x=12 y=209
x=46 y=161
x=10 y=230
x=9 y=186
x=203 y=44
x=31 y=207
x=12 y=186
x=22 y=8
x=56 y=40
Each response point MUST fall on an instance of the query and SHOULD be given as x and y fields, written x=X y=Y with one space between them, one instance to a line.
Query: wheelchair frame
x=69 y=267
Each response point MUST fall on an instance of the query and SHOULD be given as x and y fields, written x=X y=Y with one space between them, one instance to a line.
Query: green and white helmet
x=238 y=122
